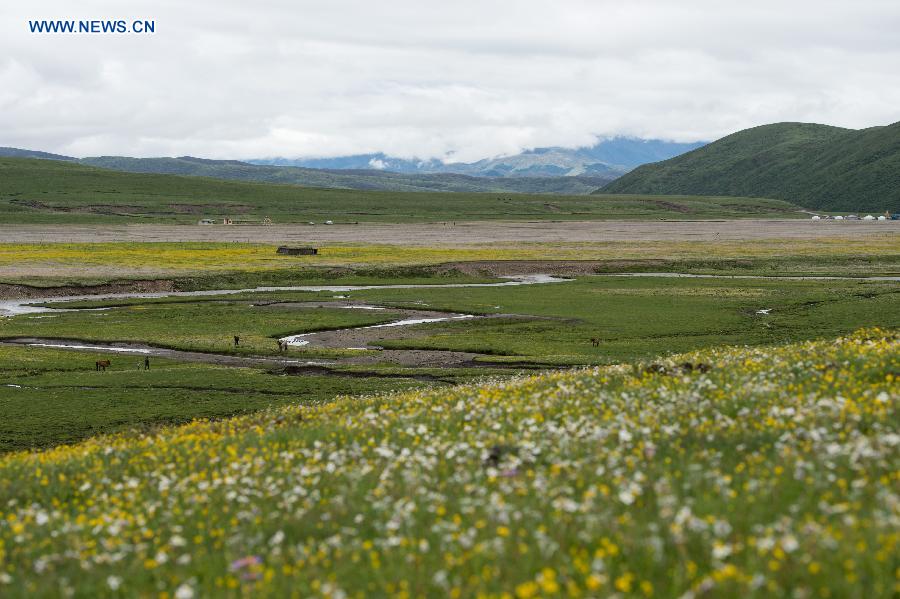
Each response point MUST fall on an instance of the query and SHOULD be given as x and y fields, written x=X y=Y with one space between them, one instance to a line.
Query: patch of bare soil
x=509 y=268
x=134 y=209
x=134 y=353
x=672 y=206
x=13 y=291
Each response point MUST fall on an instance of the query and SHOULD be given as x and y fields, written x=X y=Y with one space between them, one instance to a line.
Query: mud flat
x=411 y=358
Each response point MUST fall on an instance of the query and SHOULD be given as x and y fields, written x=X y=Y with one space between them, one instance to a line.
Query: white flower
x=721 y=550
x=184 y=592
x=789 y=543
x=277 y=538
x=113 y=582
x=892 y=439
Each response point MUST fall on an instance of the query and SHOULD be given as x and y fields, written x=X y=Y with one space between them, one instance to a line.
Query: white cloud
x=464 y=79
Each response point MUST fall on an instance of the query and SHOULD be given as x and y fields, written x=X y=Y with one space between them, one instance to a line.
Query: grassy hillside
x=772 y=473
x=41 y=191
x=816 y=166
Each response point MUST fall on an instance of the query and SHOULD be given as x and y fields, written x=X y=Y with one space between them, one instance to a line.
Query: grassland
x=636 y=317
x=773 y=474
x=47 y=191
x=207 y=326
x=238 y=265
x=56 y=396
x=51 y=397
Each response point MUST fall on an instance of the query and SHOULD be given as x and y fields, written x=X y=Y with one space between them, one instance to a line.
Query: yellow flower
x=594 y=582
x=526 y=590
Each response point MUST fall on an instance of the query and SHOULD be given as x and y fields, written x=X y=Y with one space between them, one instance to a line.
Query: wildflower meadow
x=754 y=472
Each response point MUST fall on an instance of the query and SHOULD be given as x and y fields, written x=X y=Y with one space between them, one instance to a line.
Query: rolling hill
x=817 y=166
x=43 y=191
x=363 y=179
x=543 y=170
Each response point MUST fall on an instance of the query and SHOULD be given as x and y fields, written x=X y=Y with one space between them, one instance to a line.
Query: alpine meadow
x=586 y=300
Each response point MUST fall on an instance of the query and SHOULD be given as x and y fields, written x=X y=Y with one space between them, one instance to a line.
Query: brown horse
x=102 y=365
x=595 y=342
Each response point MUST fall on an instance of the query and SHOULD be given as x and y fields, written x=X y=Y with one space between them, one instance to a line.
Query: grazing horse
x=102 y=365
x=595 y=342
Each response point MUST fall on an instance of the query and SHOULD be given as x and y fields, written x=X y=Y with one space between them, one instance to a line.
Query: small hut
x=296 y=251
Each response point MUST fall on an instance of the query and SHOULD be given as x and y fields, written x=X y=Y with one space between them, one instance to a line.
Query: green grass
x=633 y=316
x=645 y=316
x=47 y=191
x=817 y=166
x=207 y=325
x=62 y=399
x=772 y=475
x=51 y=397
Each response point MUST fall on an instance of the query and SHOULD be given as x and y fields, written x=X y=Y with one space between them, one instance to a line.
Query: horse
x=102 y=365
x=595 y=342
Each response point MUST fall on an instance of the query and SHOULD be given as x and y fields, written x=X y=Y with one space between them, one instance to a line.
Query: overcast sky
x=461 y=79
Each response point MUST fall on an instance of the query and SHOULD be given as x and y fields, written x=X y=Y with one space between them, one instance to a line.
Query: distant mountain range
x=817 y=166
x=608 y=158
x=545 y=170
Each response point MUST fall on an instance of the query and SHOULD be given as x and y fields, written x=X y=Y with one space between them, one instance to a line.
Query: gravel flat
x=459 y=233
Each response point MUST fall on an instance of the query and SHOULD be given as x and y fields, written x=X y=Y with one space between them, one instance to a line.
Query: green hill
x=817 y=166
x=41 y=191
x=362 y=178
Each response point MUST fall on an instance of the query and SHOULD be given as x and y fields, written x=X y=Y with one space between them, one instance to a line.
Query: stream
x=14 y=307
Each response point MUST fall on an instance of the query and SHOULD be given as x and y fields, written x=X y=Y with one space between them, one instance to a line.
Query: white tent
x=838 y=217
x=817 y=217
x=882 y=217
x=868 y=217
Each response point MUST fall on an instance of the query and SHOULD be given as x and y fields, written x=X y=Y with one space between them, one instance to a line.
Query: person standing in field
x=237 y=340
x=147 y=363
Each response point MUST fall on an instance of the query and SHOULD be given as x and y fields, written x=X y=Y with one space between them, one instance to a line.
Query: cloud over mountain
x=457 y=81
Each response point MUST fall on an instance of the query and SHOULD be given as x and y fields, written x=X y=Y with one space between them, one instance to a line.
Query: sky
x=459 y=80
